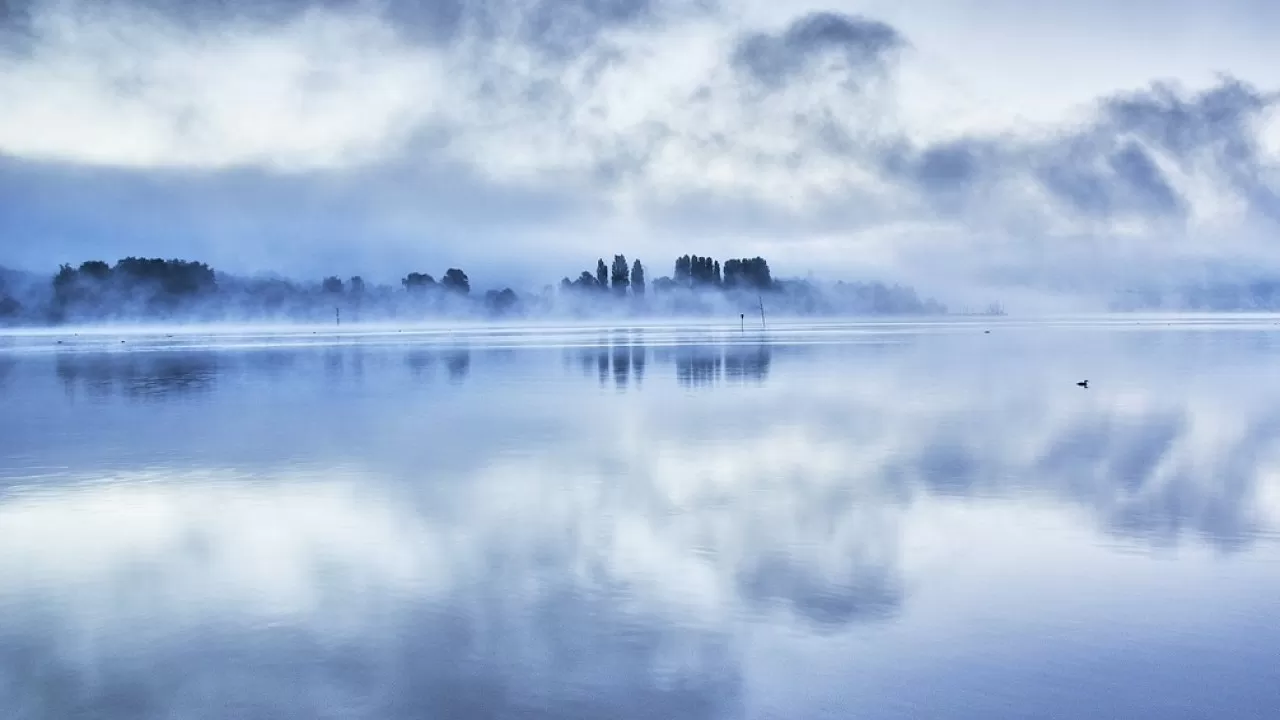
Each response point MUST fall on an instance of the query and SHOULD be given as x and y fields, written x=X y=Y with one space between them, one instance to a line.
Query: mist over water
x=874 y=520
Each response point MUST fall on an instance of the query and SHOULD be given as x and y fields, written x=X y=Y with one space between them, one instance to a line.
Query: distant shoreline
x=180 y=291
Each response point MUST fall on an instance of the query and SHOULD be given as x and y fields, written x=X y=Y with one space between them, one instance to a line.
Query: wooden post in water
x=742 y=320
x=337 y=317
x=761 y=300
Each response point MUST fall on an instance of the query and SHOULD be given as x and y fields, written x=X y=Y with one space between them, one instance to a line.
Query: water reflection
x=526 y=545
x=1147 y=466
x=698 y=365
x=694 y=365
x=420 y=362
x=269 y=364
x=825 y=601
x=297 y=601
x=335 y=363
x=621 y=366
x=705 y=366
x=747 y=362
x=147 y=375
x=1154 y=479
x=458 y=364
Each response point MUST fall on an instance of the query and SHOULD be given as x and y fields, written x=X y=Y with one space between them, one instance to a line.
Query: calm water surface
x=838 y=521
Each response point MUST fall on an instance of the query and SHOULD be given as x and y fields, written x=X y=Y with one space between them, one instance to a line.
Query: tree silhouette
x=65 y=290
x=733 y=277
x=172 y=277
x=133 y=284
x=9 y=307
x=637 y=279
x=684 y=270
x=621 y=275
x=744 y=273
x=455 y=280
x=95 y=270
x=697 y=271
x=417 y=282
x=499 y=303
x=154 y=287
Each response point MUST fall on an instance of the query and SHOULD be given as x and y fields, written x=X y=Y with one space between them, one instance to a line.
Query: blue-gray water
x=861 y=521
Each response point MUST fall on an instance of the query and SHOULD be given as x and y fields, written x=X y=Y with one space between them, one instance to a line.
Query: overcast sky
x=969 y=147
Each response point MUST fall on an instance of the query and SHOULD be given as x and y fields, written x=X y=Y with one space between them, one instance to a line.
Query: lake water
x=878 y=520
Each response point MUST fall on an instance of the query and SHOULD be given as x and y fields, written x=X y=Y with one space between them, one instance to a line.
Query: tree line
x=148 y=286
x=154 y=288
x=691 y=271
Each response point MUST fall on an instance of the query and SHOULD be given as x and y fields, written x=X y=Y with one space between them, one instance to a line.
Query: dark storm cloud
x=1181 y=124
x=12 y=11
x=944 y=172
x=1135 y=169
x=1074 y=178
x=560 y=28
x=1111 y=166
x=1100 y=182
x=189 y=13
x=948 y=164
x=1219 y=123
x=567 y=29
x=1116 y=165
x=1214 y=126
x=775 y=59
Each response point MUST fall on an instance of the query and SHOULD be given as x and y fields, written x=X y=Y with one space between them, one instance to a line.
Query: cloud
x=858 y=44
x=322 y=87
x=1140 y=155
x=651 y=121
x=313 y=93
x=1160 y=184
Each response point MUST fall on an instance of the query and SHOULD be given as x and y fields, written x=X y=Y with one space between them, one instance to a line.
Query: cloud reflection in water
x=519 y=541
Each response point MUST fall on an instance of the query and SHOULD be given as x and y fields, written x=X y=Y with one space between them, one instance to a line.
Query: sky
x=999 y=149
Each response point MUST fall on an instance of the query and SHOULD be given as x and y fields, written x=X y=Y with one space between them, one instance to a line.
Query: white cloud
x=325 y=91
x=653 y=131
